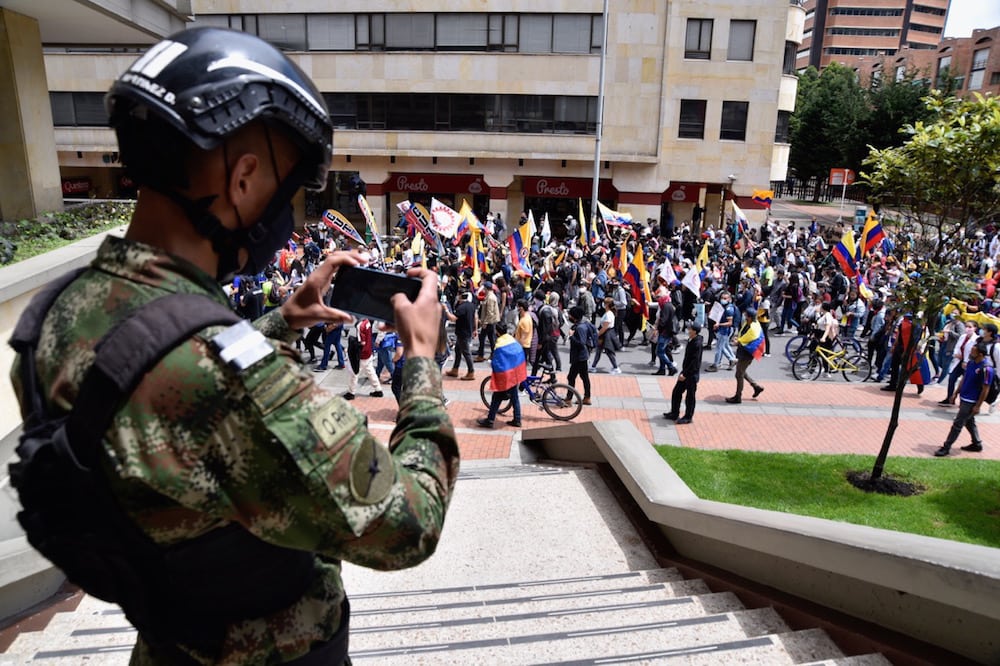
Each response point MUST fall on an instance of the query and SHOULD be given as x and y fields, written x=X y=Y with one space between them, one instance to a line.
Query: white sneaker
x=593 y=368
x=616 y=371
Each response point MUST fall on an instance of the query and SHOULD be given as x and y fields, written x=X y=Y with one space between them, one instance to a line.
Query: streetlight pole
x=600 y=122
x=722 y=206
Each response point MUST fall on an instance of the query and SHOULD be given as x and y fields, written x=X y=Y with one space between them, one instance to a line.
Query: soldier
x=220 y=130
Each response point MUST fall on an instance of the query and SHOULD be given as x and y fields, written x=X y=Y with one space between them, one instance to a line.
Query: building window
x=995 y=79
x=698 y=41
x=925 y=28
x=468 y=32
x=788 y=64
x=864 y=11
x=865 y=32
x=924 y=9
x=978 y=71
x=536 y=33
x=741 y=37
x=78 y=109
x=781 y=128
x=900 y=72
x=530 y=114
x=409 y=32
x=943 y=67
x=734 y=121
x=571 y=33
x=286 y=31
x=330 y=32
x=692 y=121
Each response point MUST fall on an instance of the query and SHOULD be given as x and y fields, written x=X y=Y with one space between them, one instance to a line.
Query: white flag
x=445 y=220
x=546 y=230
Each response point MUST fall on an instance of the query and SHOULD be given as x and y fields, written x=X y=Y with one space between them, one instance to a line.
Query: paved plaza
x=828 y=415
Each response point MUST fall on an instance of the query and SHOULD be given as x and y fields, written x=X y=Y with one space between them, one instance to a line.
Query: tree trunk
x=897 y=400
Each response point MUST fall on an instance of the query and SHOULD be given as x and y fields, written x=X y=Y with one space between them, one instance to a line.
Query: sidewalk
x=824 y=416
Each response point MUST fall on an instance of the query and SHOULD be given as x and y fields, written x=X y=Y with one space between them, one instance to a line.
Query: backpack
x=994 y=390
x=71 y=517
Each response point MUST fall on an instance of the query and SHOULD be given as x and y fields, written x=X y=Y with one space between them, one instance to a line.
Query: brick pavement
x=825 y=416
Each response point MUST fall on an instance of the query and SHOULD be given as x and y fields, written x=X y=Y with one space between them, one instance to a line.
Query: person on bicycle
x=827 y=331
x=510 y=368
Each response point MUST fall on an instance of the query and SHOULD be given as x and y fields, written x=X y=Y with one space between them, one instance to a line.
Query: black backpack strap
x=126 y=353
x=27 y=331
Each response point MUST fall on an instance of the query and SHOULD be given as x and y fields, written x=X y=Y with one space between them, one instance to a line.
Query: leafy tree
x=894 y=104
x=946 y=175
x=826 y=128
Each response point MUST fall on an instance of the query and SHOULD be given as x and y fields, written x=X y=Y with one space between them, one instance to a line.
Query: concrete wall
x=941 y=592
x=29 y=170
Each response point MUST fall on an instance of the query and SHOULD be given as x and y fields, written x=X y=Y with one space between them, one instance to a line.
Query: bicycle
x=801 y=341
x=812 y=361
x=560 y=401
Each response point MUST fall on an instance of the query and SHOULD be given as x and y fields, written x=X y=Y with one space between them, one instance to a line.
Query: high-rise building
x=851 y=31
x=497 y=103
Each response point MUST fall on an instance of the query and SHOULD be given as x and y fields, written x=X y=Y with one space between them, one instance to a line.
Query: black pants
x=463 y=350
x=579 y=369
x=548 y=352
x=690 y=386
x=487 y=332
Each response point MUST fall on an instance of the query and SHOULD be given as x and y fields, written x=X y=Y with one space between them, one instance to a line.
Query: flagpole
x=600 y=120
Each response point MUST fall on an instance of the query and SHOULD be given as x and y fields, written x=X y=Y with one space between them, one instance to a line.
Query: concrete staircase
x=538 y=565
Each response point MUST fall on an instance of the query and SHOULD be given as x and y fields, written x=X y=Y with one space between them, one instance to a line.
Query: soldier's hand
x=419 y=321
x=305 y=306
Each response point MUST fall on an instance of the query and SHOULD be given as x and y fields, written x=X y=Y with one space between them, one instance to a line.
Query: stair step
x=559 y=644
x=856 y=660
x=402 y=598
x=809 y=645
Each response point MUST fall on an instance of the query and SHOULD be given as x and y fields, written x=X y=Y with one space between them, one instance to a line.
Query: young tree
x=825 y=130
x=922 y=298
x=946 y=176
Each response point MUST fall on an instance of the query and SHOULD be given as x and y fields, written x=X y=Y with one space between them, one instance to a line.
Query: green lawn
x=961 y=501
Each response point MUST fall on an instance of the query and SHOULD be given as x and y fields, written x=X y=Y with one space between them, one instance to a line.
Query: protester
x=687 y=380
x=509 y=369
x=750 y=347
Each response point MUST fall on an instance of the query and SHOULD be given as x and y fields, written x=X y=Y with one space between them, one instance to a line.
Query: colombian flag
x=520 y=246
x=872 y=234
x=844 y=252
x=763 y=197
x=753 y=340
x=637 y=279
x=510 y=368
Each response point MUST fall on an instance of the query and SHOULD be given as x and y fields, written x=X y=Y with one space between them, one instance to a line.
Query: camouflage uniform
x=200 y=445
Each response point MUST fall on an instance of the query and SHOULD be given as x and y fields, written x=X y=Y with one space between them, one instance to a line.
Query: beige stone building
x=497 y=102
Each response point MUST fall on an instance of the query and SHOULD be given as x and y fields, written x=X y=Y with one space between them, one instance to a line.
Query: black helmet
x=205 y=84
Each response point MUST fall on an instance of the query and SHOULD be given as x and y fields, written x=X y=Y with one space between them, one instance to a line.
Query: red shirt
x=365 y=338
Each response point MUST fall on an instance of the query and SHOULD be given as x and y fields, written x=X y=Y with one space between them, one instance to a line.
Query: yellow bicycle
x=809 y=363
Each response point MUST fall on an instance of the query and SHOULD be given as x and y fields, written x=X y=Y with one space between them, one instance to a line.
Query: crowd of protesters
x=576 y=296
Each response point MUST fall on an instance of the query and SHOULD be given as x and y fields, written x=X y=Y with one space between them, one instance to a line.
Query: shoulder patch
x=241 y=346
x=372 y=473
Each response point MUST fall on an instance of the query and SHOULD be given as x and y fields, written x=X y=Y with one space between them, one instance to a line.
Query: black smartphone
x=367 y=293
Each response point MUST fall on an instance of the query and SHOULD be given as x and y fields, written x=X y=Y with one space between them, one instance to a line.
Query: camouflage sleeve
x=274 y=326
x=290 y=461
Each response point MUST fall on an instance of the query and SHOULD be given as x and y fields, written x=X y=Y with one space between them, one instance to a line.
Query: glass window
x=781 y=129
x=343 y=109
x=409 y=31
x=88 y=107
x=510 y=32
x=495 y=34
x=286 y=31
x=698 y=41
x=734 y=121
x=62 y=109
x=571 y=33
x=597 y=34
x=741 y=37
x=536 y=33
x=462 y=31
x=692 y=121
x=330 y=32
x=788 y=64
x=467 y=112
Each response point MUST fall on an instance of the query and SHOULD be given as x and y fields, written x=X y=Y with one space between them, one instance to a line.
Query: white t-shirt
x=609 y=319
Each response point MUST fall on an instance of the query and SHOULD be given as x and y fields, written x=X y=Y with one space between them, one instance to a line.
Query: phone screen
x=365 y=292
